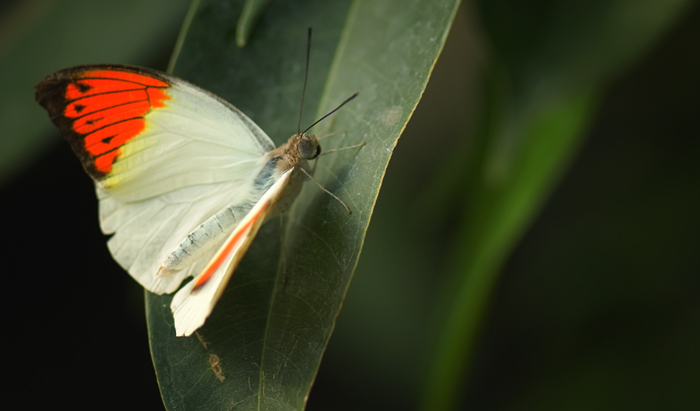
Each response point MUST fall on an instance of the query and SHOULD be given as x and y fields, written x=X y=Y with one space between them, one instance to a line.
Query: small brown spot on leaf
x=216 y=367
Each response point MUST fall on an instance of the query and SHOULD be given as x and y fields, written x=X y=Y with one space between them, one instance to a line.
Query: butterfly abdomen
x=212 y=232
x=207 y=235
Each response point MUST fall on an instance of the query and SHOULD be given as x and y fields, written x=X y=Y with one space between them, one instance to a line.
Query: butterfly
x=184 y=179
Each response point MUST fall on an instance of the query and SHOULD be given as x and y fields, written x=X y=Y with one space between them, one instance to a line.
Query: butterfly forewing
x=98 y=109
x=165 y=156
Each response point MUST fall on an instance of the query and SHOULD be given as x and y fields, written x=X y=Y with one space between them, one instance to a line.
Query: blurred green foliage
x=565 y=324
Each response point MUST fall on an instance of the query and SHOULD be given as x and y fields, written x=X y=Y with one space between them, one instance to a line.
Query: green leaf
x=39 y=37
x=550 y=61
x=270 y=329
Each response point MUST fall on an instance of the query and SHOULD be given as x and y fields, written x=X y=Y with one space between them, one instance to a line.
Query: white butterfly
x=184 y=179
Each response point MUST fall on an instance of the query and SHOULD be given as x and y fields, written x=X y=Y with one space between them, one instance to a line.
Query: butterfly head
x=308 y=146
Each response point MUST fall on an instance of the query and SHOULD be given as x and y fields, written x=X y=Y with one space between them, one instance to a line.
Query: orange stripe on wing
x=114 y=136
x=99 y=102
x=109 y=108
x=157 y=97
x=126 y=76
x=95 y=121
x=104 y=162
x=228 y=247
x=90 y=87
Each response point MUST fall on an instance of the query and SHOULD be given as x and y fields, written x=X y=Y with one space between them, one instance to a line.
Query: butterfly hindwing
x=141 y=133
x=193 y=303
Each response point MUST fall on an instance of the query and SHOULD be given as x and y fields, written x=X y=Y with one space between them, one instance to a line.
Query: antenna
x=306 y=77
x=332 y=111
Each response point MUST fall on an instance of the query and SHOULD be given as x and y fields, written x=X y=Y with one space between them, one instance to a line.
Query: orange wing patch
x=100 y=108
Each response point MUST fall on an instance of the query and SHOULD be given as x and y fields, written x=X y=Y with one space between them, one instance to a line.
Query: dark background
x=597 y=308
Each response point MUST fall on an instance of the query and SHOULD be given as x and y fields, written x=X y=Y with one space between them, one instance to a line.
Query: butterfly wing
x=195 y=301
x=164 y=154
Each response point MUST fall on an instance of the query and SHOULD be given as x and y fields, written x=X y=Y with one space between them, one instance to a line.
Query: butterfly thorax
x=294 y=154
x=300 y=148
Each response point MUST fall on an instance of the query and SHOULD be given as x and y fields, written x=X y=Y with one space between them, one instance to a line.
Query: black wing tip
x=69 y=73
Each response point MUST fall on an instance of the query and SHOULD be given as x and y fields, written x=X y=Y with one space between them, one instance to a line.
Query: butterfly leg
x=335 y=150
x=310 y=174
x=313 y=170
x=326 y=191
x=283 y=254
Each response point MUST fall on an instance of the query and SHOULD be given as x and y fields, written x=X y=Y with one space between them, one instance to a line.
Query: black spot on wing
x=84 y=88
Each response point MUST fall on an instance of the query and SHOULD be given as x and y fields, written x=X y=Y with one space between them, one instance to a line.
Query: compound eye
x=308 y=149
